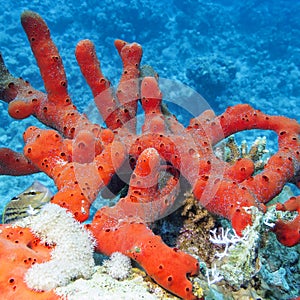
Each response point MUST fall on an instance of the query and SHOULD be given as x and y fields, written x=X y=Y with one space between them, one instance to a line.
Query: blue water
x=229 y=51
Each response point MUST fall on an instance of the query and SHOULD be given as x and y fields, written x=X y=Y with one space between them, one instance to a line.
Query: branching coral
x=82 y=157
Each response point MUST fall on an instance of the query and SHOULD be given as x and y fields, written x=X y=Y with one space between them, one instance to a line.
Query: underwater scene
x=150 y=150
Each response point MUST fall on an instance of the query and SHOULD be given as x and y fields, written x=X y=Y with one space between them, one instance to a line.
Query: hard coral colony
x=82 y=157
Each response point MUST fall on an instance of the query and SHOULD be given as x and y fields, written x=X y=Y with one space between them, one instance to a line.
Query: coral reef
x=82 y=157
x=211 y=75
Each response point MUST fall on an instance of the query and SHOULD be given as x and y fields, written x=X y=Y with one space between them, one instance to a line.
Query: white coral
x=72 y=256
x=226 y=237
x=239 y=259
x=213 y=273
x=118 y=266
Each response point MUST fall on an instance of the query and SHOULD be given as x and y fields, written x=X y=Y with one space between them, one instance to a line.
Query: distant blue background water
x=228 y=51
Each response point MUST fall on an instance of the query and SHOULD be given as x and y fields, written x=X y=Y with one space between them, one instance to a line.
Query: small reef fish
x=27 y=203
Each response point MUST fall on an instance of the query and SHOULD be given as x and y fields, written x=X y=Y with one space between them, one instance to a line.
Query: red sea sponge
x=20 y=249
x=288 y=232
